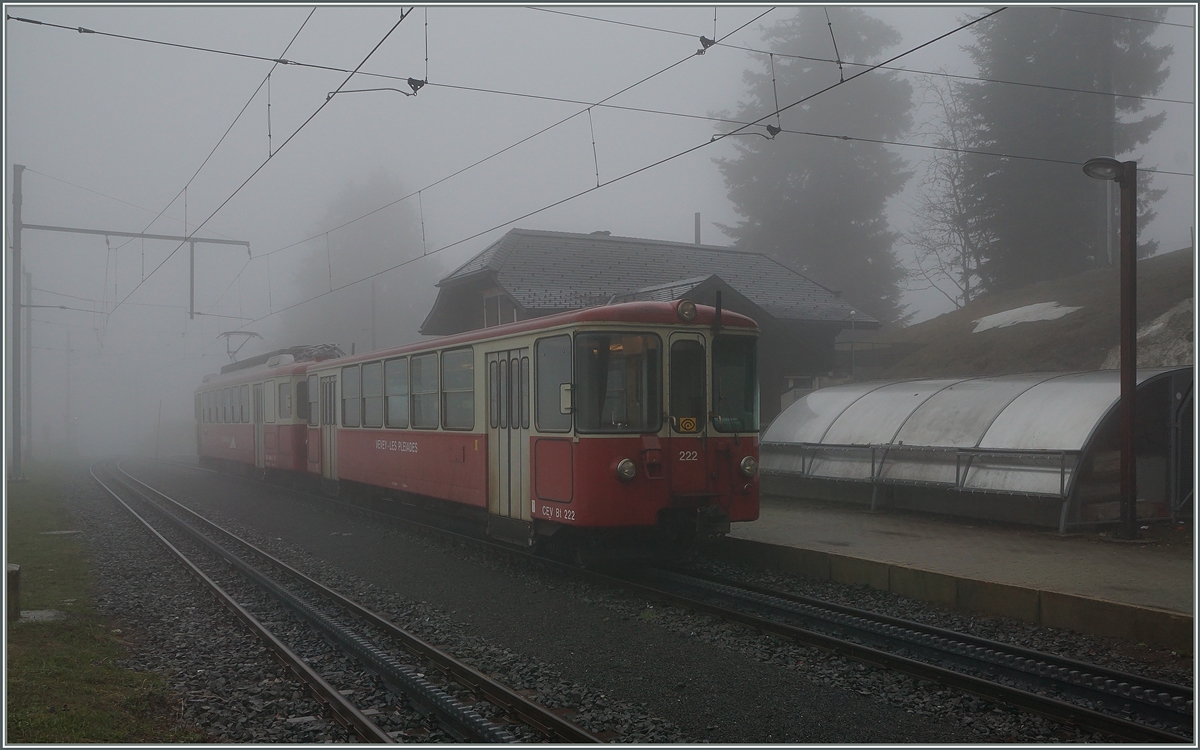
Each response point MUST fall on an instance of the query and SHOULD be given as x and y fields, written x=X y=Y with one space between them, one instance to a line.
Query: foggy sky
x=131 y=122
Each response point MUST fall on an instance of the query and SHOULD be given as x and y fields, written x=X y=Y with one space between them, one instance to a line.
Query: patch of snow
x=1166 y=341
x=1026 y=314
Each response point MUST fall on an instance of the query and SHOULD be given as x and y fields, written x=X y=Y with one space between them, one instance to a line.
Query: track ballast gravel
x=631 y=670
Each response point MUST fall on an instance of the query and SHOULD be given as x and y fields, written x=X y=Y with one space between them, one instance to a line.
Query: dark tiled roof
x=562 y=270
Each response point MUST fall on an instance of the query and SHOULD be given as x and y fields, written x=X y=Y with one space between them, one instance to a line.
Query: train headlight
x=626 y=470
x=749 y=466
x=686 y=311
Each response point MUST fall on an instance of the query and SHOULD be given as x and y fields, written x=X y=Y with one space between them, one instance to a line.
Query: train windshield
x=618 y=382
x=735 y=384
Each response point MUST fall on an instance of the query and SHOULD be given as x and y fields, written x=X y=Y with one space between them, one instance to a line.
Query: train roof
x=645 y=313
x=251 y=374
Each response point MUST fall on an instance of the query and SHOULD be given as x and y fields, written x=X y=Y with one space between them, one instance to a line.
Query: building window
x=499 y=309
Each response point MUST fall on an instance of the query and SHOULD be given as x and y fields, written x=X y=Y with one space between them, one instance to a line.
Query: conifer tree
x=1046 y=219
x=818 y=203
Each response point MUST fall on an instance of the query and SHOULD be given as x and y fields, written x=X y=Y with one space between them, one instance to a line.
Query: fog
x=112 y=129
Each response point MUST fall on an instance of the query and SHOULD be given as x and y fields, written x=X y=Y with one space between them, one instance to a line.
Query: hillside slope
x=1079 y=339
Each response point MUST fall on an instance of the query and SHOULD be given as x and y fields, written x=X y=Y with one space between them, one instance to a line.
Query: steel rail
x=342 y=709
x=461 y=721
x=1054 y=660
x=1050 y=708
x=539 y=717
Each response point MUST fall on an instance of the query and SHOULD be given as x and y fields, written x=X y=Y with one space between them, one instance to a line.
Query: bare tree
x=950 y=238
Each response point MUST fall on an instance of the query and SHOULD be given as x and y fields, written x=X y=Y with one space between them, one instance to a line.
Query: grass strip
x=63 y=682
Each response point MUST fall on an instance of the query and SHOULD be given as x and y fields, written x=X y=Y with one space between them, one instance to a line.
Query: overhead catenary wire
x=602 y=102
x=595 y=158
x=838 y=55
x=283 y=145
x=627 y=175
x=943 y=74
x=1123 y=18
x=231 y=125
x=104 y=195
x=828 y=135
x=916 y=71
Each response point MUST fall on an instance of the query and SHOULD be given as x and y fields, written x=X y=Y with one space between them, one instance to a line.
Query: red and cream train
x=627 y=422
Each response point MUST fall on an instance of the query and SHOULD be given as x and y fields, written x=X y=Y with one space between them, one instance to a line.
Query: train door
x=329 y=410
x=256 y=391
x=687 y=399
x=508 y=433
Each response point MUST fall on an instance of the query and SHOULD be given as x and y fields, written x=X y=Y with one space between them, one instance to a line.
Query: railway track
x=328 y=612
x=1086 y=695
x=1074 y=693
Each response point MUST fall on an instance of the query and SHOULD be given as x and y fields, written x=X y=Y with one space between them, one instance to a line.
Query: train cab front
x=711 y=434
x=667 y=426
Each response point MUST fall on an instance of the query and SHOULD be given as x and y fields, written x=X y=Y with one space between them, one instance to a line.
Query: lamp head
x=1104 y=168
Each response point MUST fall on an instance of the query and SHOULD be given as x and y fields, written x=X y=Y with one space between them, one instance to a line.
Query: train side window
x=285 y=400
x=372 y=394
x=687 y=385
x=553 y=357
x=525 y=393
x=395 y=375
x=314 y=395
x=351 y=393
x=504 y=394
x=204 y=407
x=458 y=389
x=425 y=391
x=208 y=401
x=618 y=382
x=493 y=394
x=244 y=402
x=268 y=398
x=514 y=392
x=226 y=405
x=197 y=399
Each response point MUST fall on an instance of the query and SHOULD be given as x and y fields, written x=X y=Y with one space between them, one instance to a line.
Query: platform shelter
x=1038 y=449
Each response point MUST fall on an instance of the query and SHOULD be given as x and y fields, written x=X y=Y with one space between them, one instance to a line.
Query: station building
x=530 y=273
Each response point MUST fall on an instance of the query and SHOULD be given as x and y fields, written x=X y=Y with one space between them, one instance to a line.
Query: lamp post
x=1125 y=175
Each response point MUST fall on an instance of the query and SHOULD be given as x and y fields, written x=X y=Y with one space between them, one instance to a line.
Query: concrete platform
x=1139 y=591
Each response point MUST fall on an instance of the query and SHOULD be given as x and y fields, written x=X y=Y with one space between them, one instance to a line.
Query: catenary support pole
x=16 y=470
x=192 y=280
x=27 y=393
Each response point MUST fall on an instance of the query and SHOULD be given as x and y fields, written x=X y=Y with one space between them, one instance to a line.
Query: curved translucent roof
x=1009 y=433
